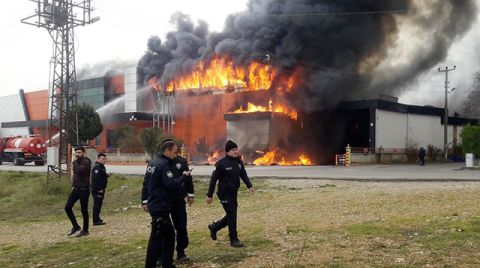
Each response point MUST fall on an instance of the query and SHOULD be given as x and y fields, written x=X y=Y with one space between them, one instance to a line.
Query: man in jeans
x=99 y=184
x=80 y=190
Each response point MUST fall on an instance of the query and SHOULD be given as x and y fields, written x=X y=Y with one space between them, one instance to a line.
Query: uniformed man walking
x=179 y=211
x=80 y=190
x=228 y=172
x=99 y=184
x=160 y=183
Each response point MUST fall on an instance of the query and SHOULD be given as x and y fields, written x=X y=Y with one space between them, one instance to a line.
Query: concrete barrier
x=360 y=158
x=128 y=157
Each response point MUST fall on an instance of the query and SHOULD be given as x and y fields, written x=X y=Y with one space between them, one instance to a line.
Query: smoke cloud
x=346 y=49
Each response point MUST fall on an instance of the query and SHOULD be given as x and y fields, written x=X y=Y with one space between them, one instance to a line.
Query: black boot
x=74 y=230
x=182 y=257
x=236 y=244
x=213 y=231
x=234 y=241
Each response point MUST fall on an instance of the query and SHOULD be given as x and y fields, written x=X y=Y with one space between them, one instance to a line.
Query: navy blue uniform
x=421 y=155
x=179 y=212
x=99 y=180
x=159 y=183
x=228 y=172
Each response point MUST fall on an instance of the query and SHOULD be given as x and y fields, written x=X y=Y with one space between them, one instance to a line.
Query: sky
x=120 y=35
x=122 y=32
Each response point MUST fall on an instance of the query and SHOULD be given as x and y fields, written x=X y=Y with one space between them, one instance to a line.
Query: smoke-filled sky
x=120 y=36
x=351 y=54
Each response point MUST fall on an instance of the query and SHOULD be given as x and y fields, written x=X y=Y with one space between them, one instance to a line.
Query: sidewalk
x=437 y=172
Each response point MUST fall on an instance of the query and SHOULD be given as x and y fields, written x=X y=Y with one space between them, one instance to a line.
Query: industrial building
x=209 y=117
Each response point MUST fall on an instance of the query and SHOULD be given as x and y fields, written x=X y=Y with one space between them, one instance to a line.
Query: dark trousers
x=179 y=218
x=230 y=206
x=97 y=204
x=161 y=242
x=76 y=194
x=422 y=160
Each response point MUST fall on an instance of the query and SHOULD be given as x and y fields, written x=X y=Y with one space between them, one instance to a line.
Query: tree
x=89 y=124
x=152 y=139
x=471 y=139
x=126 y=137
x=471 y=107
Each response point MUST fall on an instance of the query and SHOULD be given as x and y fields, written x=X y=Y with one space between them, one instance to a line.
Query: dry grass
x=288 y=223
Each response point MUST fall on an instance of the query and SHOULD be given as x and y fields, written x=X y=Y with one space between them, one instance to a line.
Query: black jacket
x=99 y=177
x=421 y=152
x=81 y=172
x=179 y=165
x=228 y=172
x=158 y=185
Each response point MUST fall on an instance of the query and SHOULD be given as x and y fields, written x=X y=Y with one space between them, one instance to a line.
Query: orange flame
x=270 y=158
x=277 y=108
x=213 y=157
x=222 y=73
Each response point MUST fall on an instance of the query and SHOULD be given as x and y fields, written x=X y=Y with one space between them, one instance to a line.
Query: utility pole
x=445 y=119
x=59 y=18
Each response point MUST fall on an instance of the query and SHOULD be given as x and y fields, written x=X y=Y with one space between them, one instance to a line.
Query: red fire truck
x=21 y=150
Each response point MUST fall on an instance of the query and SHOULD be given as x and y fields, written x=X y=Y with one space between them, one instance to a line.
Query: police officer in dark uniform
x=160 y=183
x=228 y=172
x=179 y=212
x=80 y=191
x=421 y=156
x=99 y=179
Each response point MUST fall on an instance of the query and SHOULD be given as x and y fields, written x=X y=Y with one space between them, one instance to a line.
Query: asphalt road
x=437 y=172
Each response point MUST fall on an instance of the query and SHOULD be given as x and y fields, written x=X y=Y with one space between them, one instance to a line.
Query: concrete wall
x=395 y=130
x=127 y=158
x=390 y=129
x=12 y=110
x=358 y=158
x=250 y=134
x=130 y=89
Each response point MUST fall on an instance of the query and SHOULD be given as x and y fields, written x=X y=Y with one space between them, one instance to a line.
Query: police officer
x=159 y=182
x=99 y=184
x=421 y=156
x=80 y=190
x=179 y=212
x=228 y=172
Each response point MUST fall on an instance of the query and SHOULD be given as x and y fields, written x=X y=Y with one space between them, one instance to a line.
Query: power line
x=348 y=13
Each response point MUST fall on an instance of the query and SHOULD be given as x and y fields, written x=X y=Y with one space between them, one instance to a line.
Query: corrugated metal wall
x=12 y=110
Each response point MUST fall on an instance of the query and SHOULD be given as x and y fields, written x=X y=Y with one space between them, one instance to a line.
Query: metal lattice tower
x=59 y=18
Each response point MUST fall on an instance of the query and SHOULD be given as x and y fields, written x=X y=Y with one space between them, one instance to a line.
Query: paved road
x=440 y=172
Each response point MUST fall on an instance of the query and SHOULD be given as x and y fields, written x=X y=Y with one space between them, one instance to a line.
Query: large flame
x=213 y=157
x=274 y=108
x=274 y=158
x=222 y=73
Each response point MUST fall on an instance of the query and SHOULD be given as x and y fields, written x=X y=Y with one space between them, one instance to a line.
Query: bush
x=471 y=140
x=434 y=152
x=411 y=150
x=126 y=137
x=151 y=140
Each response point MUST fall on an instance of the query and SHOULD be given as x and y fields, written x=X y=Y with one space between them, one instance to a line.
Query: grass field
x=287 y=223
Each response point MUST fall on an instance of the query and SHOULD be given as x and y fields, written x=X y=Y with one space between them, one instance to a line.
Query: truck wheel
x=17 y=161
x=39 y=163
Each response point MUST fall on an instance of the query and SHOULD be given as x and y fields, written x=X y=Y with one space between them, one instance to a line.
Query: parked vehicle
x=21 y=150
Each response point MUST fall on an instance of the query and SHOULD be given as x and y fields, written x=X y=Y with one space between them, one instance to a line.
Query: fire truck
x=21 y=150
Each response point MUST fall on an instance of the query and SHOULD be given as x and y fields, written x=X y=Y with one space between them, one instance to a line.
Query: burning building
x=274 y=77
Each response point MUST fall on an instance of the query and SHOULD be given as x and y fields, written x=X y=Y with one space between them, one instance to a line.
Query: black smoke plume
x=346 y=48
